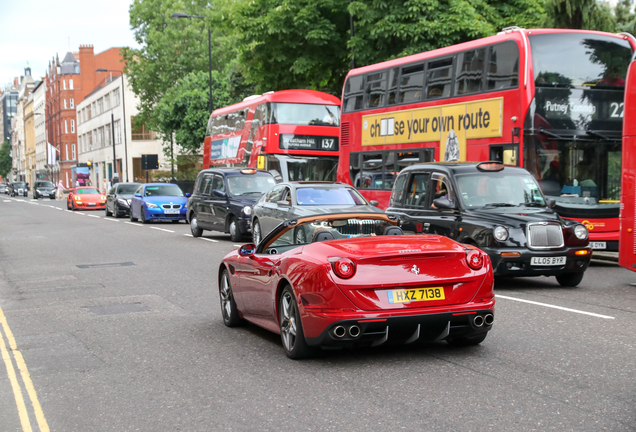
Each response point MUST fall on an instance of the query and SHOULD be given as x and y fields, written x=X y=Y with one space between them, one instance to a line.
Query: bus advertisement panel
x=292 y=133
x=550 y=101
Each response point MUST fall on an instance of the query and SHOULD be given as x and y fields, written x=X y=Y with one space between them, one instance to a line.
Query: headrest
x=323 y=235
x=393 y=230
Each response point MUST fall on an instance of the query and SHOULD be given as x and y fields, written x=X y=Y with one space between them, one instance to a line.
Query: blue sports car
x=159 y=201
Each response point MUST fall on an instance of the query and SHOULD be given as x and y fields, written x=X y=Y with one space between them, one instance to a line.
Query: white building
x=99 y=118
x=39 y=103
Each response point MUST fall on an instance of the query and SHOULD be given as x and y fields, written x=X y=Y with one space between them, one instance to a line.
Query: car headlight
x=247 y=210
x=151 y=205
x=38 y=191
x=500 y=233
x=580 y=232
x=122 y=201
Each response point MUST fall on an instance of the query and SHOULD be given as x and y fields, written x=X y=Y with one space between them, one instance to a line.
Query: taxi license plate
x=171 y=211
x=416 y=294
x=548 y=261
x=598 y=245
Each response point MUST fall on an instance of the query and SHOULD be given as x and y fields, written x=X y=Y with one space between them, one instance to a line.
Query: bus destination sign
x=451 y=125
x=307 y=142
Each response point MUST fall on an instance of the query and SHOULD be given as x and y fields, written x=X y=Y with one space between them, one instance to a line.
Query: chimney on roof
x=16 y=81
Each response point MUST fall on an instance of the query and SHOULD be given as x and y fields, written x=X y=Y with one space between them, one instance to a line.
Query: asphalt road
x=116 y=326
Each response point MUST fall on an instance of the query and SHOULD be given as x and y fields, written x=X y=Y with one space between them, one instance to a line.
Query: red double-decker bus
x=627 y=249
x=292 y=133
x=550 y=101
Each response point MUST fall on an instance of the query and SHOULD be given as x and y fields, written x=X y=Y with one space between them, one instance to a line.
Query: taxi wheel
x=228 y=305
x=256 y=232
x=235 y=234
x=570 y=279
x=291 y=328
x=194 y=226
x=461 y=341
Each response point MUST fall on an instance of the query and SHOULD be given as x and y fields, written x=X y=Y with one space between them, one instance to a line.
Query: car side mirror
x=443 y=203
x=188 y=195
x=247 y=250
x=551 y=203
x=374 y=203
x=219 y=193
x=283 y=203
x=137 y=194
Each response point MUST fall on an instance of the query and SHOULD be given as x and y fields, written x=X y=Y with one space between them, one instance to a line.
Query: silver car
x=290 y=200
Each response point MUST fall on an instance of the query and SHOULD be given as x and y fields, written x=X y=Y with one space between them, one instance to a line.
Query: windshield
x=127 y=189
x=19 y=184
x=576 y=171
x=250 y=184
x=498 y=189
x=310 y=168
x=43 y=184
x=167 y=190
x=304 y=114
x=579 y=59
x=87 y=191
x=313 y=196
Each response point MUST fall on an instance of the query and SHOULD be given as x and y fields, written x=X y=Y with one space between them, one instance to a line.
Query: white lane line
x=188 y=235
x=161 y=229
x=555 y=307
x=133 y=224
x=210 y=240
x=6 y=201
x=57 y=208
x=238 y=245
x=112 y=220
x=80 y=213
x=94 y=216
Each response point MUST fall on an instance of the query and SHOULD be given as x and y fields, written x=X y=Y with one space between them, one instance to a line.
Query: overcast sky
x=33 y=31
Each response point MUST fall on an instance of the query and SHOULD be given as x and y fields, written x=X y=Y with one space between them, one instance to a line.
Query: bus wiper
x=500 y=205
x=550 y=134
x=600 y=135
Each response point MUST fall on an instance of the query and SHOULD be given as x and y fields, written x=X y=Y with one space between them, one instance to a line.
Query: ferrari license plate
x=171 y=211
x=415 y=294
x=548 y=261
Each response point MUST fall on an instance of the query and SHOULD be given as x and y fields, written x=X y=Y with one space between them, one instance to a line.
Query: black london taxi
x=499 y=209
x=223 y=198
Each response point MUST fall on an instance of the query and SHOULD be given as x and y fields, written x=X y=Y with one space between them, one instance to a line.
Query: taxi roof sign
x=248 y=171
x=490 y=166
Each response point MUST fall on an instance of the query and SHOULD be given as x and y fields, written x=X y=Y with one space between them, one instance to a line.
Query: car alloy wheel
x=132 y=219
x=228 y=306
x=235 y=235
x=194 y=227
x=256 y=232
x=107 y=212
x=291 y=329
x=142 y=216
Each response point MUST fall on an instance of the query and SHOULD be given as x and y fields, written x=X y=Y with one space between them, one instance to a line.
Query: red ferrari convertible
x=359 y=281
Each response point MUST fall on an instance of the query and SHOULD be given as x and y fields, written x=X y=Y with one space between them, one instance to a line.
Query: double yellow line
x=26 y=379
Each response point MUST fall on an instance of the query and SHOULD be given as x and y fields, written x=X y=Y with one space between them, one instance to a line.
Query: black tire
x=291 y=328
x=570 y=279
x=107 y=212
x=229 y=310
x=194 y=226
x=142 y=216
x=256 y=232
x=68 y=206
x=462 y=341
x=235 y=233
x=132 y=219
x=35 y=196
x=116 y=210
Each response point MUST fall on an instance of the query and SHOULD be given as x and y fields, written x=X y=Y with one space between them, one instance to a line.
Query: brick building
x=67 y=83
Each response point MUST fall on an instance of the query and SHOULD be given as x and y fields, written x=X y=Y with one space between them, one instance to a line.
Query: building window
x=73 y=150
x=90 y=113
x=66 y=151
x=140 y=132
x=65 y=104
x=70 y=83
x=64 y=84
x=116 y=97
x=100 y=105
x=118 y=132
x=95 y=113
x=65 y=126
x=107 y=135
x=100 y=135
x=90 y=139
x=107 y=102
x=72 y=103
x=72 y=126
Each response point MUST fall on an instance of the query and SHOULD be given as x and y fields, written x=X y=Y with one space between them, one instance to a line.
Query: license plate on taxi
x=415 y=294
x=548 y=261
x=598 y=245
x=171 y=211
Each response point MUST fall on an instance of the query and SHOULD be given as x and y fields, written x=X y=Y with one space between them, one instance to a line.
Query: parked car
x=291 y=200
x=223 y=199
x=86 y=197
x=118 y=199
x=3 y=188
x=358 y=281
x=499 y=209
x=158 y=201
x=43 y=188
x=18 y=188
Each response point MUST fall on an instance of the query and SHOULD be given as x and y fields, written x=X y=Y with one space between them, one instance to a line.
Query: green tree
x=580 y=14
x=5 y=159
x=625 y=17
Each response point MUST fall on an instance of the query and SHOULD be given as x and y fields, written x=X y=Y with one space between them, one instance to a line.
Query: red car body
x=367 y=307
x=85 y=198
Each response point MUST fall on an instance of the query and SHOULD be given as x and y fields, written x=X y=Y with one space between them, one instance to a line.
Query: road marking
x=210 y=240
x=7 y=201
x=238 y=245
x=188 y=235
x=133 y=224
x=94 y=216
x=161 y=229
x=26 y=378
x=112 y=220
x=555 y=307
x=80 y=213
x=57 y=208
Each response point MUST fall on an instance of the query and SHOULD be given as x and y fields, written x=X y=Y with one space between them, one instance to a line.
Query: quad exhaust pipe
x=339 y=331
x=478 y=321
x=353 y=331
x=487 y=319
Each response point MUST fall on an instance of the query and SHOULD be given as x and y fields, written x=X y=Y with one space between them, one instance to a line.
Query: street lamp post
x=112 y=122
x=178 y=15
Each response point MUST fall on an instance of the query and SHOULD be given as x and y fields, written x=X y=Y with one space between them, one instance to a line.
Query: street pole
x=123 y=106
x=112 y=124
x=210 y=67
x=172 y=155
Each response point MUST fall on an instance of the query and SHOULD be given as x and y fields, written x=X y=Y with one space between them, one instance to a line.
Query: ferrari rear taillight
x=475 y=259
x=344 y=268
